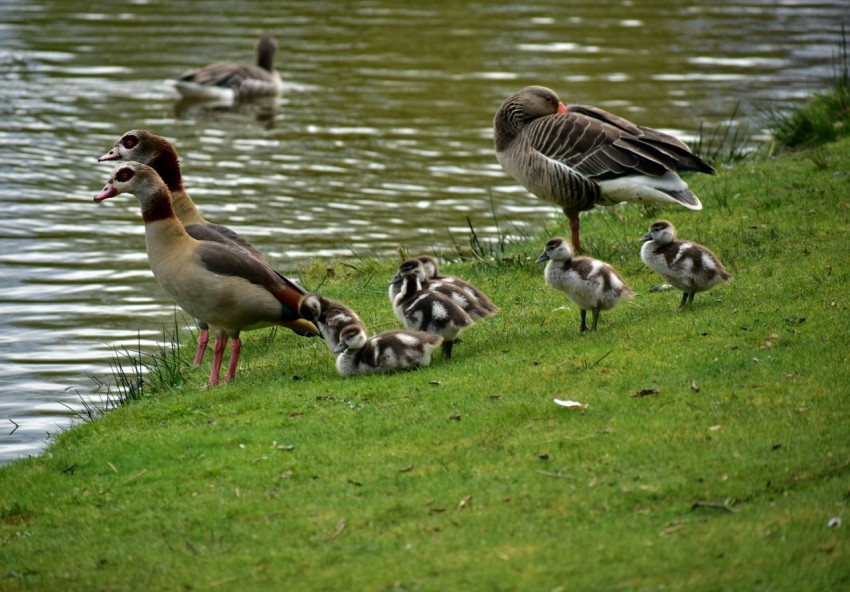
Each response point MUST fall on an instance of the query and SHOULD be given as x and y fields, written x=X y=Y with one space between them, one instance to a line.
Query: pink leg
x=203 y=339
x=235 y=348
x=574 y=236
x=218 y=354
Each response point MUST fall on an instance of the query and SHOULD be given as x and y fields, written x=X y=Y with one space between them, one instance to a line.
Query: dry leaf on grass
x=646 y=392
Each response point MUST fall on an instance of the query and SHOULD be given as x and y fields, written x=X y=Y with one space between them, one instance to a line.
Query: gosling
x=465 y=295
x=330 y=316
x=688 y=266
x=591 y=284
x=427 y=311
x=386 y=352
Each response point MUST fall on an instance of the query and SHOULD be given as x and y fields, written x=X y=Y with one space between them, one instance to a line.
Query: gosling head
x=557 y=249
x=661 y=232
x=352 y=337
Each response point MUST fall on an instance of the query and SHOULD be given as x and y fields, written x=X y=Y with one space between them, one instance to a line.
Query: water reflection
x=383 y=104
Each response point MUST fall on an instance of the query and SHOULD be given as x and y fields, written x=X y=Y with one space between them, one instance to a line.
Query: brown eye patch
x=130 y=141
x=124 y=175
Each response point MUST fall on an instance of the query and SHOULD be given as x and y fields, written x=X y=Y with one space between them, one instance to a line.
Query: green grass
x=465 y=475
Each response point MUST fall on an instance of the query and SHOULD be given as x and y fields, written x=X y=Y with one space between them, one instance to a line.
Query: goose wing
x=602 y=146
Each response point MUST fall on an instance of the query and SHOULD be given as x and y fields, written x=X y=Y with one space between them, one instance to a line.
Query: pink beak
x=111 y=155
x=562 y=108
x=105 y=193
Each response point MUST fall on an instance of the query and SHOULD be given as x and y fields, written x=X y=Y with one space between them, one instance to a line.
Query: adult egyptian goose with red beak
x=226 y=81
x=157 y=152
x=579 y=156
x=219 y=284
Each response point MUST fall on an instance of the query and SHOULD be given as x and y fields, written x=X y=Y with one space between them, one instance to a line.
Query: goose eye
x=130 y=142
x=124 y=175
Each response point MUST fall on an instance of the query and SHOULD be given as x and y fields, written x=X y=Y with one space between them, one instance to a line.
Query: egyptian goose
x=432 y=312
x=157 y=152
x=579 y=156
x=591 y=284
x=330 y=316
x=466 y=296
x=219 y=284
x=481 y=306
x=688 y=266
x=385 y=352
x=225 y=81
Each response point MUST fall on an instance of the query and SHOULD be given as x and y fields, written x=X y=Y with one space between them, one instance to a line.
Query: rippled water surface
x=381 y=139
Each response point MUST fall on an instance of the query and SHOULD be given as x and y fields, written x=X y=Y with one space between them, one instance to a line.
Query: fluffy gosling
x=591 y=284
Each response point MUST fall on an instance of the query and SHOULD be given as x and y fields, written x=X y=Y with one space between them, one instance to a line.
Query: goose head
x=523 y=107
x=661 y=232
x=557 y=249
x=411 y=267
x=143 y=182
x=266 y=47
x=351 y=337
x=139 y=145
x=429 y=266
x=312 y=307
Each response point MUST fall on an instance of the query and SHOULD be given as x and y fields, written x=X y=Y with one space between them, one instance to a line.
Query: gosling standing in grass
x=462 y=293
x=686 y=265
x=386 y=352
x=432 y=312
x=591 y=284
x=330 y=316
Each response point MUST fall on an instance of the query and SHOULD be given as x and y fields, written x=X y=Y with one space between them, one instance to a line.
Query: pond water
x=381 y=139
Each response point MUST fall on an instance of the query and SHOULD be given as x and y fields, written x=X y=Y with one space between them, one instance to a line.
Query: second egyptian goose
x=688 y=266
x=235 y=81
x=219 y=284
x=330 y=316
x=579 y=156
x=160 y=154
x=591 y=284
x=385 y=352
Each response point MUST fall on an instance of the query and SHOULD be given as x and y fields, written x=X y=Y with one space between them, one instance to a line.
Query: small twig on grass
x=714 y=506
x=340 y=526
x=596 y=363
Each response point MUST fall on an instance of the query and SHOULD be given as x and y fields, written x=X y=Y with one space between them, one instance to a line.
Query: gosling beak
x=646 y=238
x=543 y=257
x=340 y=347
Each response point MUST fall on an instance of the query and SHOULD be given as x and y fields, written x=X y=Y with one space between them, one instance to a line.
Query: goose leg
x=583 y=321
x=203 y=339
x=691 y=297
x=235 y=348
x=684 y=300
x=595 y=318
x=574 y=233
x=218 y=353
x=447 y=349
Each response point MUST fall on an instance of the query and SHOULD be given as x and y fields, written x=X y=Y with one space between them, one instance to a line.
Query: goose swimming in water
x=227 y=81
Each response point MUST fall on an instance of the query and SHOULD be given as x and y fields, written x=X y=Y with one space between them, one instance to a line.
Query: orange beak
x=562 y=108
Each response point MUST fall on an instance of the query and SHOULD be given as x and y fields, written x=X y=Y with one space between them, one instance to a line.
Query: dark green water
x=381 y=139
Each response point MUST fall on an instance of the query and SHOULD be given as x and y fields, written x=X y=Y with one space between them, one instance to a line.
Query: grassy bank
x=465 y=475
